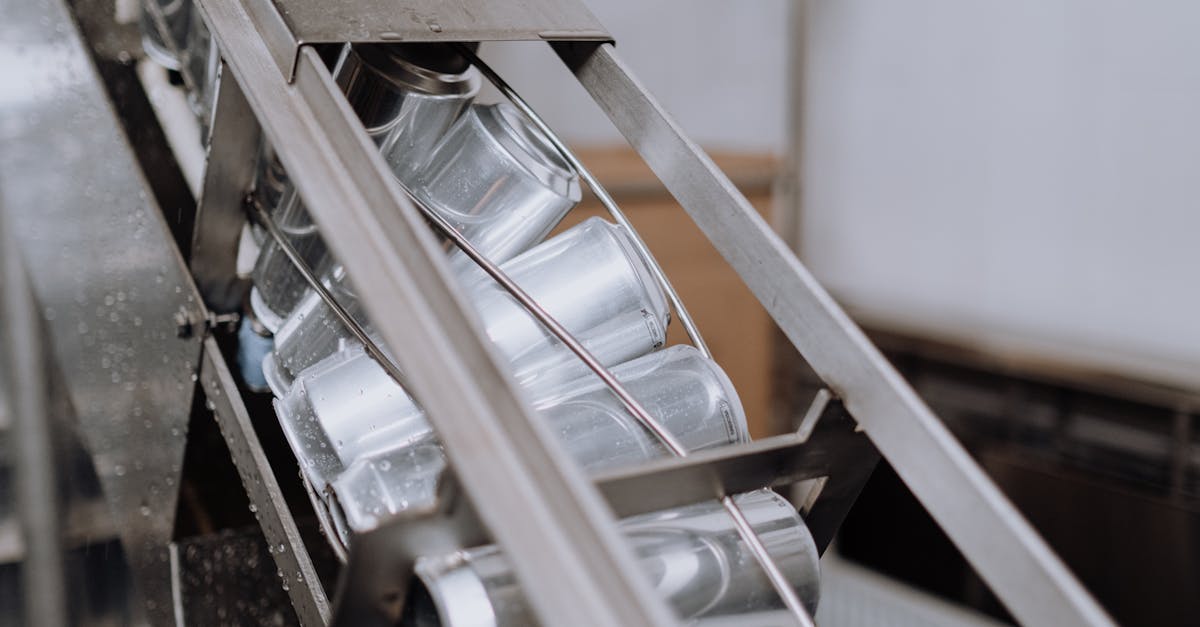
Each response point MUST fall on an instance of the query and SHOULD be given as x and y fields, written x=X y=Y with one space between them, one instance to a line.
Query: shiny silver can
x=312 y=332
x=494 y=176
x=406 y=108
x=591 y=279
x=347 y=426
x=692 y=555
x=588 y=277
x=499 y=181
x=687 y=393
x=165 y=48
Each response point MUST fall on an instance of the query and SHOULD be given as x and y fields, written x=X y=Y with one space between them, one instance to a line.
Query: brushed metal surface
x=105 y=273
x=289 y=24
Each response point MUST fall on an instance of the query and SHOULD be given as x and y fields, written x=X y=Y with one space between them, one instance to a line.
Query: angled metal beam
x=228 y=175
x=573 y=564
x=1006 y=551
x=833 y=448
x=278 y=526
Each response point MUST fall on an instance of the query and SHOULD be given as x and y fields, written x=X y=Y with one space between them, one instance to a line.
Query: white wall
x=1023 y=175
x=716 y=65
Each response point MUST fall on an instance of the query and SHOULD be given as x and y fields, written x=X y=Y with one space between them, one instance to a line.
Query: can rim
x=529 y=148
x=386 y=63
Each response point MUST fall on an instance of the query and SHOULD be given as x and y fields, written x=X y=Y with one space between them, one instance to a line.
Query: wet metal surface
x=105 y=274
x=229 y=578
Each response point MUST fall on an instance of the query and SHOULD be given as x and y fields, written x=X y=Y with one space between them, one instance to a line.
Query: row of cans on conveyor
x=365 y=448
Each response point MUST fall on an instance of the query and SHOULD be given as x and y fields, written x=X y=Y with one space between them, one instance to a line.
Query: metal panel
x=290 y=24
x=1000 y=544
x=228 y=174
x=106 y=274
x=36 y=494
x=535 y=501
x=278 y=527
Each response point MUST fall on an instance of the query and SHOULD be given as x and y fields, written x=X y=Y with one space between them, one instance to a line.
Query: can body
x=592 y=281
x=499 y=182
x=353 y=408
x=345 y=425
x=176 y=15
x=589 y=278
x=693 y=556
x=390 y=95
x=686 y=393
x=493 y=176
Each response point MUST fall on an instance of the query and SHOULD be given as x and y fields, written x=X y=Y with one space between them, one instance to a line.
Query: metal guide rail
x=555 y=524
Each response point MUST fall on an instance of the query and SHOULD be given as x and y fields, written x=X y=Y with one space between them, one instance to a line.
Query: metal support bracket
x=833 y=449
x=287 y=25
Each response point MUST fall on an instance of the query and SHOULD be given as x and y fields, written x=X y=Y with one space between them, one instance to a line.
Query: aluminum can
x=591 y=279
x=685 y=392
x=394 y=96
x=378 y=487
x=176 y=14
x=202 y=60
x=499 y=181
x=693 y=556
x=312 y=332
x=339 y=416
x=347 y=406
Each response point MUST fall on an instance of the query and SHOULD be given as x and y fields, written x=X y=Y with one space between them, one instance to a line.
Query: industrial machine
x=440 y=409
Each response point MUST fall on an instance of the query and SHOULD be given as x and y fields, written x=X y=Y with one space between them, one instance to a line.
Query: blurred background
x=1003 y=195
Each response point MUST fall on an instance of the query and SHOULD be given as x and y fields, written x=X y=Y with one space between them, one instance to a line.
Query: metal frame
x=531 y=497
x=633 y=407
x=1001 y=545
x=278 y=526
x=522 y=489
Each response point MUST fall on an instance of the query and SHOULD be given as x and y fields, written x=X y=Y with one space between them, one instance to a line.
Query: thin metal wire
x=685 y=318
x=373 y=349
